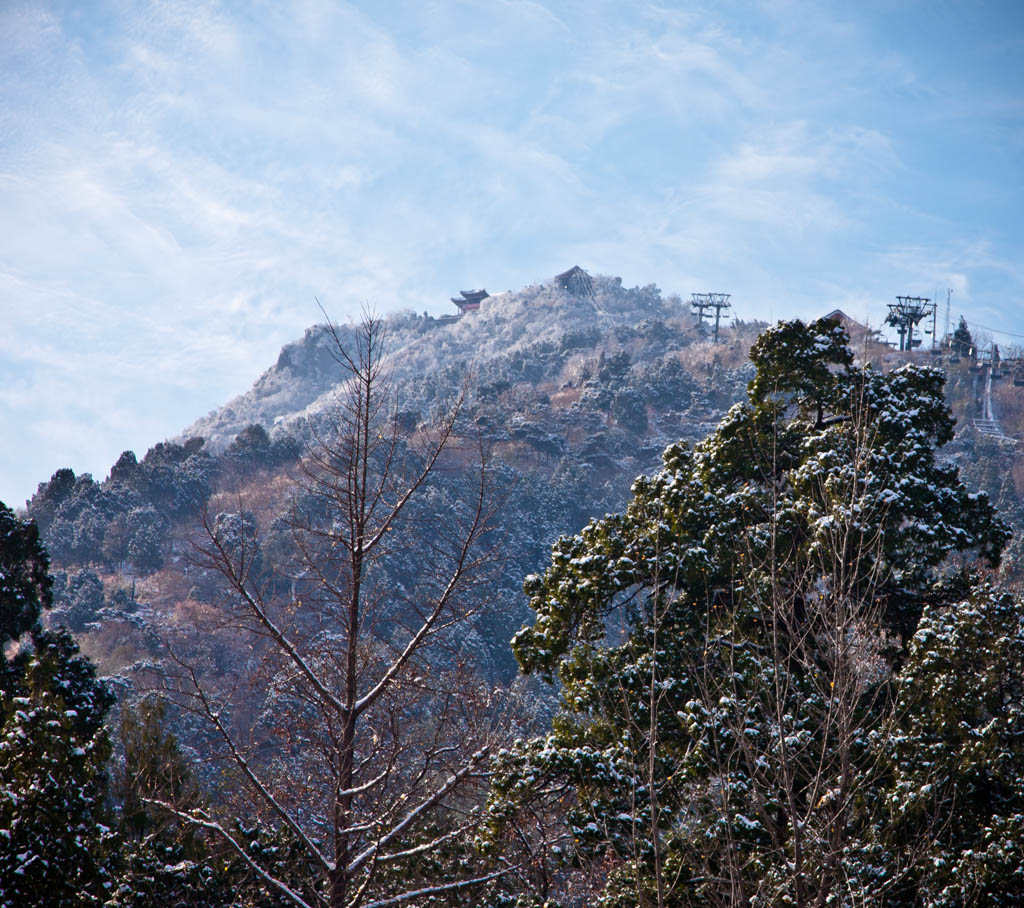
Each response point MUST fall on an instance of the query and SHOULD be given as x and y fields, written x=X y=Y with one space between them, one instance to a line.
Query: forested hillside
x=572 y=398
x=750 y=676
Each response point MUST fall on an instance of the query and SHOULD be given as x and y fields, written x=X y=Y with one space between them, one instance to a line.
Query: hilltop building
x=576 y=281
x=837 y=315
x=470 y=300
x=859 y=332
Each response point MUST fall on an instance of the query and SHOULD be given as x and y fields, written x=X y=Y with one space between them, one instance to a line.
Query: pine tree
x=963 y=340
x=958 y=756
x=26 y=587
x=727 y=646
x=62 y=843
x=54 y=838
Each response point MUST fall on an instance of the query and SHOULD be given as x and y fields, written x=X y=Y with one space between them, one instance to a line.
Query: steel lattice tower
x=905 y=314
x=703 y=303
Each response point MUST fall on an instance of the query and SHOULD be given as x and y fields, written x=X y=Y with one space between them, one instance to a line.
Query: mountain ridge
x=299 y=385
x=572 y=396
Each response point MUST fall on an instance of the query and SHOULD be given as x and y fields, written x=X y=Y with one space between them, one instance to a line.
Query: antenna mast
x=949 y=293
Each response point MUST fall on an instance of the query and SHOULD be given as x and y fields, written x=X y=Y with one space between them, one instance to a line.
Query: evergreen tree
x=163 y=861
x=958 y=756
x=55 y=844
x=54 y=841
x=146 y=529
x=82 y=599
x=963 y=340
x=61 y=844
x=727 y=647
x=154 y=769
x=26 y=587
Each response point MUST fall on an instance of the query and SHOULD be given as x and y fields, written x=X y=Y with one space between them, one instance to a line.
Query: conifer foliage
x=958 y=755
x=54 y=846
x=963 y=340
x=731 y=650
x=63 y=842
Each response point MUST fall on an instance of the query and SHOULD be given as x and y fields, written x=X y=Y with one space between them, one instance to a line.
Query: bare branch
x=214 y=826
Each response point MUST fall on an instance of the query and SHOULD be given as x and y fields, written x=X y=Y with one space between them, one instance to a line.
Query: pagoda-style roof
x=470 y=299
x=576 y=281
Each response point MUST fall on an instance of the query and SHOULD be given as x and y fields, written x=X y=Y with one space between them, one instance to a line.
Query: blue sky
x=179 y=180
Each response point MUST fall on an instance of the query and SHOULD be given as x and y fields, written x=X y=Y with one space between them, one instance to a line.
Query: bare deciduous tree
x=375 y=736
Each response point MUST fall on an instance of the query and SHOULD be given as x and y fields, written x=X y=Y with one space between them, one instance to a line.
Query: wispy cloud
x=178 y=180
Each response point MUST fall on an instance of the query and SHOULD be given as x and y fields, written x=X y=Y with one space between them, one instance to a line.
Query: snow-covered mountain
x=303 y=381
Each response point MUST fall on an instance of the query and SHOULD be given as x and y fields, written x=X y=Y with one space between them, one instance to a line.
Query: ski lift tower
x=704 y=302
x=905 y=314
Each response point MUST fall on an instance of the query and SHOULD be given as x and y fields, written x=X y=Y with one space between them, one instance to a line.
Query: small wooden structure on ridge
x=470 y=300
x=576 y=281
x=858 y=332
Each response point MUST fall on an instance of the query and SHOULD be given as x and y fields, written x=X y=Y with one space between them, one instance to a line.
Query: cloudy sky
x=180 y=180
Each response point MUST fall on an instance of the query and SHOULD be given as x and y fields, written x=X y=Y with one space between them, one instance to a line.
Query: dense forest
x=557 y=604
